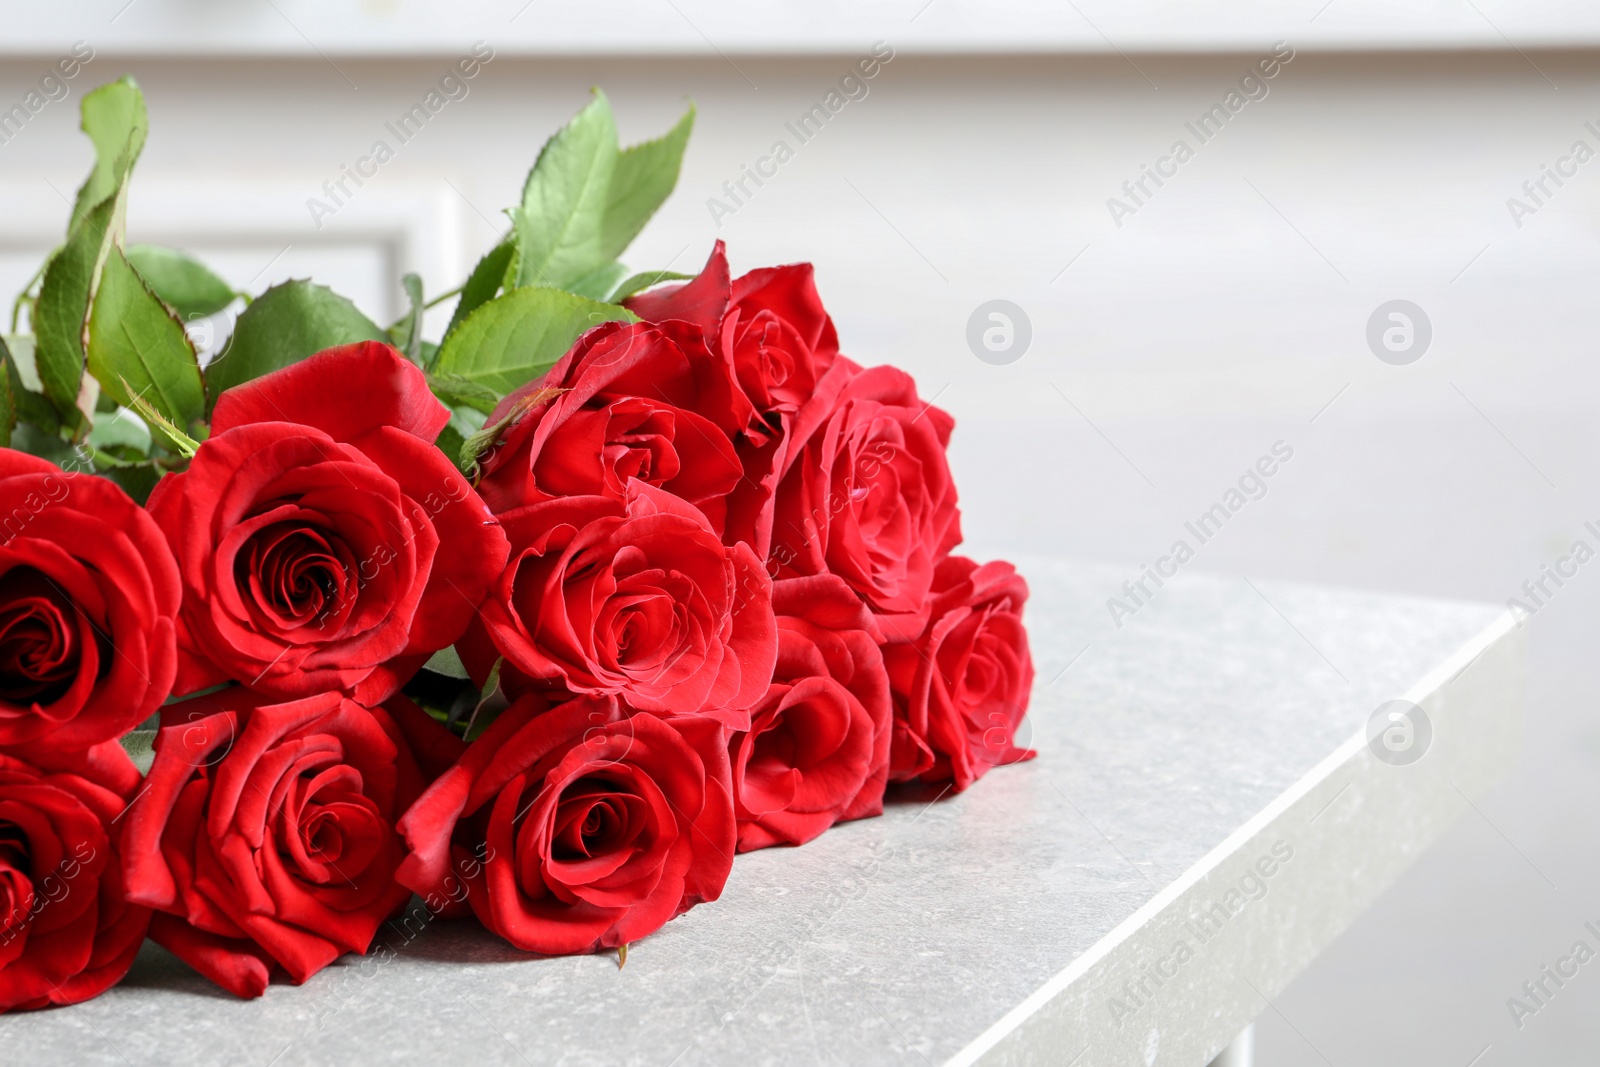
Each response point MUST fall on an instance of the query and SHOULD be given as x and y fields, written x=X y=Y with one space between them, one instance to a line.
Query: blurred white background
x=1227 y=313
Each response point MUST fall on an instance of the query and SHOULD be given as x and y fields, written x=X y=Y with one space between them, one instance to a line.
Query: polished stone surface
x=892 y=940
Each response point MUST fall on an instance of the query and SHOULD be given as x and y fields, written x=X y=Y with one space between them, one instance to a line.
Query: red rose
x=66 y=931
x=636 y=599
x=817 y=751
x=593 y=828
x=634 y=407
x=324 y=542
x=869 y=496
x=962 y=687
x=769 y=325
x=88 y=592
x=265 y=832
x=770 y=329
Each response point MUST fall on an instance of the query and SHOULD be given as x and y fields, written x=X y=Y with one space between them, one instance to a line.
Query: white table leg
x=1240 y=1052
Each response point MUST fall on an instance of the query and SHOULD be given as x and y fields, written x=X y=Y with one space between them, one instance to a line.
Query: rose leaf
x=22 y=378
x=483 y=284
x=182 y=282
x=446 y=662
x=62 y=309
x=586 y=199
x=137 y=344
x=114 y=118
x=598 y=282
x=516 y=337
x=644 y=177
x=560 y=224
x=644 y=280
x=140 y=747
x=406 y=334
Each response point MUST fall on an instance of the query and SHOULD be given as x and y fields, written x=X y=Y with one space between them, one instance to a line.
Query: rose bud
x=66 y=931
x=631 y=409
x=962 y=687
x=88 y=593
x=817 y=751
x=265 y=833
x=869 y=497
x=636 y=599
x=324 y=542
x=593 y=828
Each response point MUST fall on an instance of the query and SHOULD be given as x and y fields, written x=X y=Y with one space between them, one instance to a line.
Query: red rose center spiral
x=40 y=640
x=594 y=818
x=646 y=617
x=771 y=361
x=297 y=574
x=774 y=348
x=639 y=442
x=330 y=832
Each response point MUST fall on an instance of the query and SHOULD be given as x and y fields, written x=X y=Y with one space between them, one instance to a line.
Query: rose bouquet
x=541 y=623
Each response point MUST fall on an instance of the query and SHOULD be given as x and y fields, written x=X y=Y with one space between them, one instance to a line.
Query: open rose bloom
x=324 y=543
x=595 y=826
x=548 y=654
x=265 y=834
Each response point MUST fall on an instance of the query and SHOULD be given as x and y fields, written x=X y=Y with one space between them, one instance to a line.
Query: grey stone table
x=1205 y=816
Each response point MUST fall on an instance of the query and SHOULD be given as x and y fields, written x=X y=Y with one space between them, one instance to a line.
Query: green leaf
x=640 y=282
x=585 y=200
x=455 y=390
x=23 y=382
x=560 y=225
x=483 y=283
x=30 y=291
x=449 y=442
x=114 y=117
x=447 y=662
x=115 y=120
x=140 y=747
x=182 y=282
x=643 y=179
x=62 y=311
x=20 y=347
x=35 y=441
x=406 y=334
x=137 y=480
x=282 y=326
x=136 y=343
x=598 y=283
x=413 y=290
x=514 y=338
